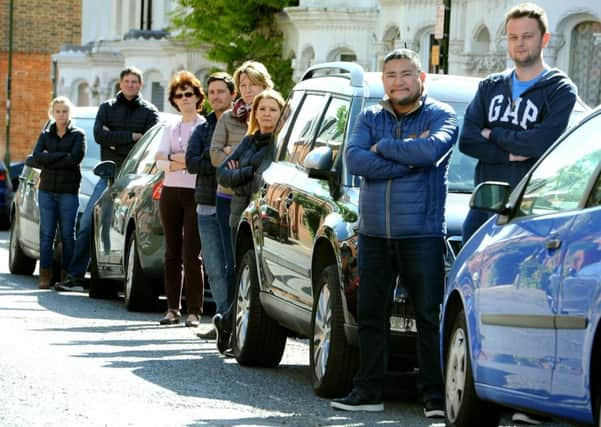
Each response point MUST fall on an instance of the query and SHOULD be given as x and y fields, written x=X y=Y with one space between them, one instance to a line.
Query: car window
x=135 y=155
x=287 y=117
x=560 y=181
x=147 y=162
x=333 y=126
x=299 y=142
x=92 y=155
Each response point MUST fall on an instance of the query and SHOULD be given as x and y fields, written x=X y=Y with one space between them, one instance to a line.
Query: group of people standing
x=210 y=166
x=400 y=148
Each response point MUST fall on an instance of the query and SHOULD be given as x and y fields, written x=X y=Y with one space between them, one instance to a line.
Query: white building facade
x=116 y=33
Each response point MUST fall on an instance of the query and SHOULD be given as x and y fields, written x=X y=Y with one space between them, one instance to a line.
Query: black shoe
x=70 y=284
x=193 y=321
x=211 y=334
x=355 y=401
x=223 y=333
x=172 y=317
x=434 y=408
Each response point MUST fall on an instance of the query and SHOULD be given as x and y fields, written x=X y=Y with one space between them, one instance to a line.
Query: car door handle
x=553 y=244
x=131 y=194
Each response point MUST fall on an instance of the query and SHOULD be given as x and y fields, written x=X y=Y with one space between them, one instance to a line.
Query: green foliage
x=235 y=31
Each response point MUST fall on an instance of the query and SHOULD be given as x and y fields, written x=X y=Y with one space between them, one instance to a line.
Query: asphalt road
x=68 y=360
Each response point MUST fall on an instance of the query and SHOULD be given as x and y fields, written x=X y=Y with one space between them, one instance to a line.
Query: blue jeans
x=222 y=206
x=56 y=208
x=214 y=261
x=81 y=252
x=420 y=266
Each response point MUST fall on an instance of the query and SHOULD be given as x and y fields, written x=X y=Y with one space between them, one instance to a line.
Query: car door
x=111 y=211
x=581 y=278
x=521 y=271
x=287 y=256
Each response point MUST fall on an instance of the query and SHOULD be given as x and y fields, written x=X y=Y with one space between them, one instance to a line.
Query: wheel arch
x=595 y=371
x=323 y=256
x=453 y=307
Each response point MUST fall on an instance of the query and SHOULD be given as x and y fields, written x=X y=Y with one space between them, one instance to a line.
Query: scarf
x=241 y=111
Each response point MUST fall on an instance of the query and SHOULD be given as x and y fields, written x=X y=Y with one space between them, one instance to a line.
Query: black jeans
x=420 y=266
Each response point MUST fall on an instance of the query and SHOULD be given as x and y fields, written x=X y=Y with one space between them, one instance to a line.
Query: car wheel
x=99 y=288
x=333 y=360
x=4 y=222
x=258 y=340
x=139 y=293
x=18 y=262
x=463 y=406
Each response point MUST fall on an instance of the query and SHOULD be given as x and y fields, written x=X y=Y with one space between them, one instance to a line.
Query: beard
x=529 y=60
x=407 y=100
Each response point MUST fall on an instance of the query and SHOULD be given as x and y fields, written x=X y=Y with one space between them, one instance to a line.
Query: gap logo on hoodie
x=519 y=112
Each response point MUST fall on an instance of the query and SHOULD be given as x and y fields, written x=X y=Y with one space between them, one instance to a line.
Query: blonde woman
x=240 y=172
x=58 y=152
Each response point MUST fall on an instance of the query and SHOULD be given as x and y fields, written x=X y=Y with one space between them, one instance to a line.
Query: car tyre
x=139 y=293
x=463 y=406
x=18 y=261
x=99 y=288
x=333 y=360
x=257 y=339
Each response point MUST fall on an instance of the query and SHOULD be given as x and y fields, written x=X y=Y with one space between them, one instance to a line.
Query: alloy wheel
x=322 y=332
x=243 y=306
x=456 y=375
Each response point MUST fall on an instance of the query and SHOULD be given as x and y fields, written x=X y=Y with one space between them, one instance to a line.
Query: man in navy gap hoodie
x=516 y=114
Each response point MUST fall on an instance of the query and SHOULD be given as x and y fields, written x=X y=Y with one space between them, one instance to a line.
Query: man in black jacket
x=120 y=123
x=220 y=93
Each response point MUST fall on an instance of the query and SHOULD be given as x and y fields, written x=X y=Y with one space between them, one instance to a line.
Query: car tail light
x=2 y=175
x=156 y=190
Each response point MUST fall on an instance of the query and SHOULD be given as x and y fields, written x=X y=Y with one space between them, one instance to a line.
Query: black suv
x=296 y=244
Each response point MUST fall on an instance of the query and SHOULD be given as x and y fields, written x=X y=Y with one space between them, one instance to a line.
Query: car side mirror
x=319 y=162
x=491 y=196
x=106 y=169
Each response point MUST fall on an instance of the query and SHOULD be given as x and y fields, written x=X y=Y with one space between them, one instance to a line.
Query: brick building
x=40 y=28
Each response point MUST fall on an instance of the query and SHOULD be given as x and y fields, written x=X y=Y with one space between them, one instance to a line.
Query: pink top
x=175 y=140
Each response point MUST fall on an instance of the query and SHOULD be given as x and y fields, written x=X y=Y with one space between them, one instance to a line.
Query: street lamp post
x=8 y=83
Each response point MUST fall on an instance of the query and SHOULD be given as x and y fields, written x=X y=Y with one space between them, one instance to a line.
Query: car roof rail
x=350 y=70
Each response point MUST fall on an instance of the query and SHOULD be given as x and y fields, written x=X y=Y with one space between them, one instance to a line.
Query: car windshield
x=92 y=149
x=461 y=167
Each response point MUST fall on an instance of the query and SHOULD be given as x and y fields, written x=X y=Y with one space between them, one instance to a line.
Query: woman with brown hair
x=177 y=206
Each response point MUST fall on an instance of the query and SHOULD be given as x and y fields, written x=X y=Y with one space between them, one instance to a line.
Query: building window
x=157 y=95
x=146 y=15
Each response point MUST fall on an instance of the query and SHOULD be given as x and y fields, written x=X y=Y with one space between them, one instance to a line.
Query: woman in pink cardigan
x=177 y=206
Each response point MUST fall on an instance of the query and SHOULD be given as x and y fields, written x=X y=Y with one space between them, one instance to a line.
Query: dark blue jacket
x=60 y=159
x=116 y=120
x=198 y=161
x=526 y=127
x=404 y=186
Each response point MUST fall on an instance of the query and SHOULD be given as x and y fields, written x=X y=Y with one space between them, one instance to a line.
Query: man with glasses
x=120 y=123
x=401 y=150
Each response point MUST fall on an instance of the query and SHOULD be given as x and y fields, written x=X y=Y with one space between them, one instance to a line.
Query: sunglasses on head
x=181 y=95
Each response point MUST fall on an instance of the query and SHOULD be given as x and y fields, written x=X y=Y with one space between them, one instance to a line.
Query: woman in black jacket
x=58 y=153
x=255 y=152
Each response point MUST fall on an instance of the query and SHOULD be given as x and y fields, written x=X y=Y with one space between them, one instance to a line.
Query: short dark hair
x=182 y=79
x=131 y=70
x=224 y=77
x=404 y=53
x=528 y=10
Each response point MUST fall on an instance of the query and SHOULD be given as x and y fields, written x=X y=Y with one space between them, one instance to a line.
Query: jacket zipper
x=398 y=134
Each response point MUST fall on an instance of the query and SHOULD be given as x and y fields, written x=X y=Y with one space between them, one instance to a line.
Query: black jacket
x=254 y=154
x=198 y=161
x=59 y=159
x=116 y=120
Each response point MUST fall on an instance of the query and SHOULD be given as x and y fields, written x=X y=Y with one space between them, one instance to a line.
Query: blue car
x=520 y=318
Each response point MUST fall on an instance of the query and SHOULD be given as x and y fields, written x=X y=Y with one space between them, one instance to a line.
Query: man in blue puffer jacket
x=401 y=148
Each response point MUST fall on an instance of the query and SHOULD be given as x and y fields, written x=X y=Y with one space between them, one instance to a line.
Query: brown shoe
x=45 y=278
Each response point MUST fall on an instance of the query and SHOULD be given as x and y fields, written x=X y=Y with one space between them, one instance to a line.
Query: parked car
x=296 y=245
x=6 y=196
x=24 y=247
x=520 y=324
x=128 y=244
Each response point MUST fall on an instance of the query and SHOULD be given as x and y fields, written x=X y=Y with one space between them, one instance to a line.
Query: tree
x=235 y=31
